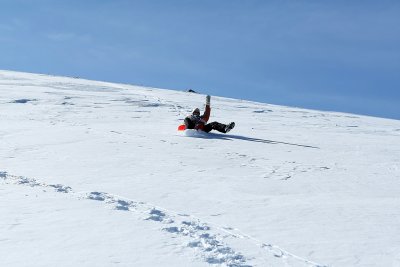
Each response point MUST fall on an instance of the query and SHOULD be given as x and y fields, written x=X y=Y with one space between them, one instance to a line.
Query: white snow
x=95 y=174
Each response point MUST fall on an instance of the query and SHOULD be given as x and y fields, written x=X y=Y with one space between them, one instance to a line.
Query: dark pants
x=220 y=127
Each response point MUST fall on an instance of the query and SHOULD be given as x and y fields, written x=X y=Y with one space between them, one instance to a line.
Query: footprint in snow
x=214 y=251
x=158 y=216
x=96 y=196
x=122 y=204
x=61 y=188
x=118 y=204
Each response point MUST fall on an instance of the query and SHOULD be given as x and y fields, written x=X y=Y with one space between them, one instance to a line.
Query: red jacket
x=206 y=114
x=193 y=122
x=204 y=118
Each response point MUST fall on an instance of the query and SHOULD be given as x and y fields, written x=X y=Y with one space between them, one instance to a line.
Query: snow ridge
x=206 y=239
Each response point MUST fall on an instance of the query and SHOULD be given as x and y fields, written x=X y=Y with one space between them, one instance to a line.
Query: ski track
x=205 y=238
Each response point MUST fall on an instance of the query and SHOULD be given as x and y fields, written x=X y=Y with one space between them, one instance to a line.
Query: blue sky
x=329 y=55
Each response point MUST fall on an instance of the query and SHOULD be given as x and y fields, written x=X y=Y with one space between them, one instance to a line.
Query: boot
x=229 y=127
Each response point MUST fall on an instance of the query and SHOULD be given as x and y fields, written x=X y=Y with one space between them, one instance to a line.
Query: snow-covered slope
x=95 y=174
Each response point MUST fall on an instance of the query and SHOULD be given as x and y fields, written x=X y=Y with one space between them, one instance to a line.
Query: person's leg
x=220 y=127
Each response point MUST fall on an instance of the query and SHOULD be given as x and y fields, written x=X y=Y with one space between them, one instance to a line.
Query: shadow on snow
x=251 y=139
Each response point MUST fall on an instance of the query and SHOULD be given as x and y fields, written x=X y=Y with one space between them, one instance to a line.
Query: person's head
x=196 y=112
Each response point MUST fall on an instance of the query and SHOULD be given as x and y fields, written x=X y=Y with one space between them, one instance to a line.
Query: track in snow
x=205 y=238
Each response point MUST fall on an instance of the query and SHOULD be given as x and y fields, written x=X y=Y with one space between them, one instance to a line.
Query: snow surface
x=95 y=174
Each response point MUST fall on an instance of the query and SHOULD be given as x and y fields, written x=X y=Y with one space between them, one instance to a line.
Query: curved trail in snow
x=207 y=239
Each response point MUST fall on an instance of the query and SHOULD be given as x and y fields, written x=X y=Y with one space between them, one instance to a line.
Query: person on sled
x=199 y=122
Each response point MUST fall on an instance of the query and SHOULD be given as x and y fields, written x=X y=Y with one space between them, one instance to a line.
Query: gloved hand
x=208 y=98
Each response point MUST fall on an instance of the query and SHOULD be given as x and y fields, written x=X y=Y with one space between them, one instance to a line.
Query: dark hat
x=196 y=111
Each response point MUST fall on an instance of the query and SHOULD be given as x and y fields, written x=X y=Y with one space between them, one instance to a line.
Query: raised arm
x=207 y=111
